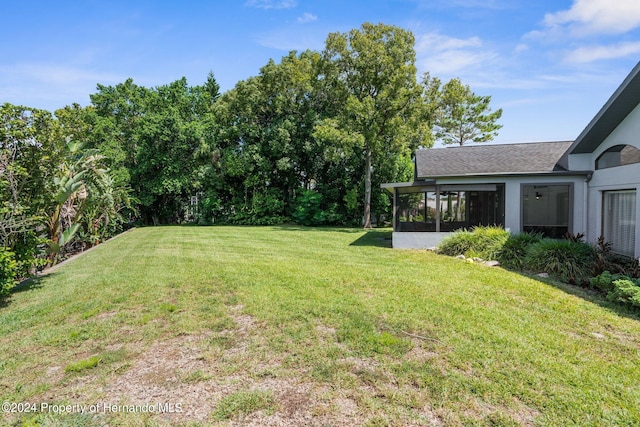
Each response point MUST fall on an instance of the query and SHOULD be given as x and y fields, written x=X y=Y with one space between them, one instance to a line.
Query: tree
x=464 y=116
x=374 y=71
x=153 y=138
x=30 y=152
x=81 y=177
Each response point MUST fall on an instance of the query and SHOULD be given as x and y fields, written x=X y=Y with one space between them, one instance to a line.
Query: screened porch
x=430 y=207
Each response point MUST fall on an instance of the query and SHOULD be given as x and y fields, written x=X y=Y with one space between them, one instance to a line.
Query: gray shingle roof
x=536 y=157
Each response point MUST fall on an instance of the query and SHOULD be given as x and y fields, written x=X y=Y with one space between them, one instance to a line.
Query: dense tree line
x=309 y=139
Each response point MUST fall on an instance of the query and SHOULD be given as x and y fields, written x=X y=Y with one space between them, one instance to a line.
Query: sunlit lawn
x=312 y=326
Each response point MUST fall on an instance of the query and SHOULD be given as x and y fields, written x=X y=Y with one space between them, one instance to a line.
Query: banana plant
x=81 y=169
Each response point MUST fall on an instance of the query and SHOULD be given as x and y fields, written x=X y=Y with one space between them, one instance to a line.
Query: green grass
x=247 y=323
x=244 y=402
x=81 y=365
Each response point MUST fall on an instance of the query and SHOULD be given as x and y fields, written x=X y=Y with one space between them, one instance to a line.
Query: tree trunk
x=367 y=189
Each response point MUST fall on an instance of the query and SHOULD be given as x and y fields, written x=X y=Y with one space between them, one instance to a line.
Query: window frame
x=604 y=219
x=601 y=161
x=570 y=207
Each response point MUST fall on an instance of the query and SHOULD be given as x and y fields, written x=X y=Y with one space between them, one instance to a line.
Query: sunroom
x=521 y=187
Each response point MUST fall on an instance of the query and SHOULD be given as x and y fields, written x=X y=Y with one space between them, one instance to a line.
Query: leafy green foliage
x=373 y=73
x=604 y=281
x=609 y=261
x=569 y=261
x=512 y=253
x=463 y=116
x=457 y=243
x=625 y=291
x=309 y=210
x=618 y=288
x=8 y=271
x=482 y=242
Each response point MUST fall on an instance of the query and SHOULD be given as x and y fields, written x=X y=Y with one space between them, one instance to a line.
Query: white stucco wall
x=616 y=178
x=513 y=198
x=417 y=239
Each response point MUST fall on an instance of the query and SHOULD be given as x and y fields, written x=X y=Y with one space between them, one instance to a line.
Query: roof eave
x=614 y=111
x=508 y=174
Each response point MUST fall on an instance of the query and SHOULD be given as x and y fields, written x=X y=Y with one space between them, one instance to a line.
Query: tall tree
x=374 y=70
x=154 y=136
x=464 y=116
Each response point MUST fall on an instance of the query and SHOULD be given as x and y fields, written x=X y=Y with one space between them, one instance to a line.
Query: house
x=586 y=186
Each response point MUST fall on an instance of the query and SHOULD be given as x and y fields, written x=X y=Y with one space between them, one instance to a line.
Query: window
x=416 y=211
x=618 y=155
x=619 y=220
x=546 y=209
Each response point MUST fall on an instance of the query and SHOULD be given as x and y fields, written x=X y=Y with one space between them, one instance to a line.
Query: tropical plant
x=512 y=253
x=81 y=174
x=569 y=261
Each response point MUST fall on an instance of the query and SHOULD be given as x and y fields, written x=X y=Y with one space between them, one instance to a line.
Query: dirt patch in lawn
x=191 y=377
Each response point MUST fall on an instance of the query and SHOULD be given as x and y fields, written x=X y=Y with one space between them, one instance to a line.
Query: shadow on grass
x=381 y=239
x=372 y=237
x=296 y=227
x=26 y=285
x=586 y=294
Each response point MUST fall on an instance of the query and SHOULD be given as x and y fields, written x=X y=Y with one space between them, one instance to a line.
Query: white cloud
x=596 y=53
x=50 y=86
x=272 y=4
x=521 y=47
x=439 y=42
x=597 y=17
x=448 y=56
x=56 y=74
x=306 y=17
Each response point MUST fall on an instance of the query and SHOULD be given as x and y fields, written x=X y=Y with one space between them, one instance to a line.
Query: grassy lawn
x=300 y=326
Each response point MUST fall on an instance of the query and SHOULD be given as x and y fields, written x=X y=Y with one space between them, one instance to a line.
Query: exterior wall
x=513 y=206
x=513 y=198
x=617 y=178
x=417 y=239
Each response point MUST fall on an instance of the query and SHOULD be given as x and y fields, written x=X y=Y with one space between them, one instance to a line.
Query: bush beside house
x=570 y=260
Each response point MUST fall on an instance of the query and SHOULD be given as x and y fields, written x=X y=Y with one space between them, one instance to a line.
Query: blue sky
x=550 y=65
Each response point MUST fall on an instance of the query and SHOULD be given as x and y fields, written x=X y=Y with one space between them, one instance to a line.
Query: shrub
x=625 y=291
x=609 y=261
x=457 y=243
x=515 y=248
x=8 y=271
x=482 y=242
x=567 y=260
x=309 y=210
x=604 y=281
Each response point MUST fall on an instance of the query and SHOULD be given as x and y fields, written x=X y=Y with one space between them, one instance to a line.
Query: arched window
x=618 y=155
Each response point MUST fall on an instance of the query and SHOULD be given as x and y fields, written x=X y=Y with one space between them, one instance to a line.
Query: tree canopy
x=308 y=139
x=464 y=116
